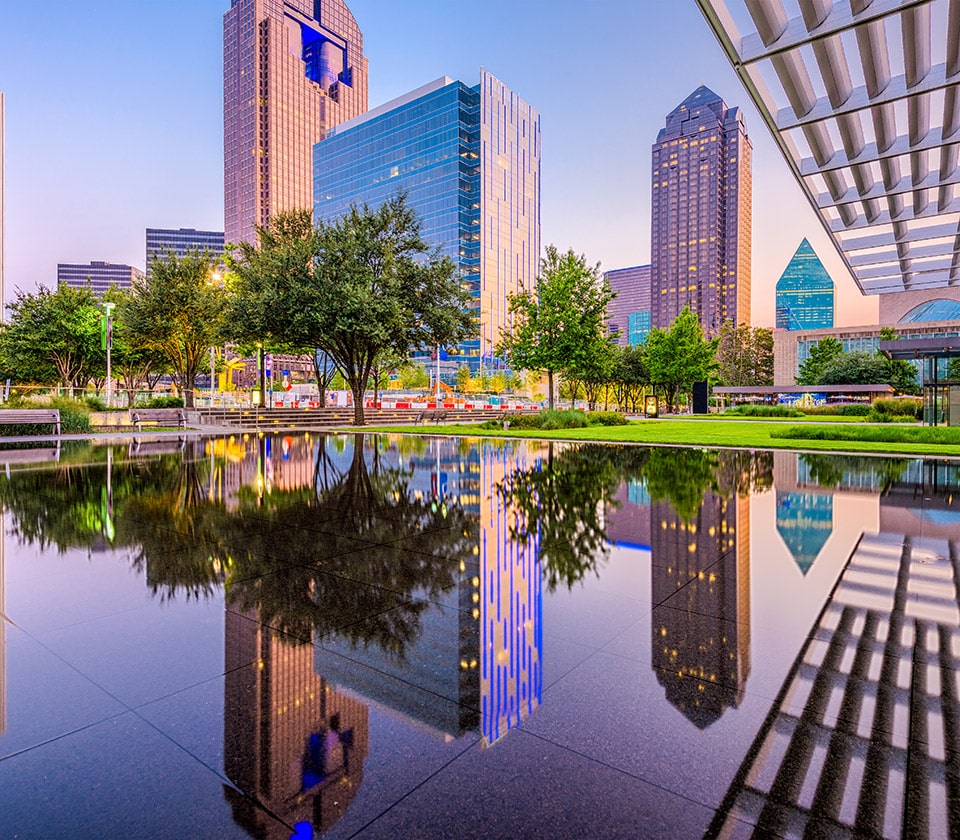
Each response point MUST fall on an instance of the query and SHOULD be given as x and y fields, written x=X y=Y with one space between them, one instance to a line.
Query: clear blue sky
x=114 y=121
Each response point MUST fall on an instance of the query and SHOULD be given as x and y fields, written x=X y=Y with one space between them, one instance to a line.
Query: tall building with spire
x=291 y=70
x=702 y=214
x=805 y=293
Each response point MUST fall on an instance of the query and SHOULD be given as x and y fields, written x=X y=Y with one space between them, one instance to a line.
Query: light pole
x=108 y=345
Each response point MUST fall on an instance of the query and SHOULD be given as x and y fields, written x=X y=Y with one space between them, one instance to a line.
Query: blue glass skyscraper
x=468 y=159
x=805 y=293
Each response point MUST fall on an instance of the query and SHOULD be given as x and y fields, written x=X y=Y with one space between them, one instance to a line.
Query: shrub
x=899 y=406
x=764 y=411
x=553 y=420
x=516 y=421
x=95 y=403
x=74 y=418
x=74 y=415
x=165 y=402
x=606 y=418
x=839 y=409
x=569 y=419
x=874 y=434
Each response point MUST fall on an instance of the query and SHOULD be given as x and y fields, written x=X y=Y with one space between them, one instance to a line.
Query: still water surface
x=335 y=636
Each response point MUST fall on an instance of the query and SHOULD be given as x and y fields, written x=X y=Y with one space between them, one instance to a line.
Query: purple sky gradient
x=114 y=122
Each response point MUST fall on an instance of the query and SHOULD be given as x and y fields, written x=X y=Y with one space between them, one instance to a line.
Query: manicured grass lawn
x=749 y=434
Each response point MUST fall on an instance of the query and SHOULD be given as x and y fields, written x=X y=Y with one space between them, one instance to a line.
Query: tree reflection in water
x=563 y=496
x=305 y=559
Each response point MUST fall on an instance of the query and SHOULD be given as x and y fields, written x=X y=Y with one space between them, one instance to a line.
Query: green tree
x=555 y=326
x=132 y=362
x=857 y=368
x=53 y=336
x=498 y=383
x=744 y=355
x=177 y=311
x=630 y=377
x=414 y=376
x=900 y=373
x=463 y=379
x=376 y=286
x=821 y=353
x=594 y=369
x=678 y=357
x=272 y=279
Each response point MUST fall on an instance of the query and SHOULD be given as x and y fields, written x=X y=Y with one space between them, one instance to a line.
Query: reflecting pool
x=295 y=636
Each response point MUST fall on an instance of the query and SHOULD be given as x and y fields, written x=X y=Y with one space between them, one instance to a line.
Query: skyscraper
x=291 y=70
x=161 y=241
x=629 y=312
x=701 y=211
x=98 y=275
x=3 y=309
x=805 y=293
x=468 y=159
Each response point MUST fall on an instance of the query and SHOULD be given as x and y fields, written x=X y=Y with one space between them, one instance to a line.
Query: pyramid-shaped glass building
x=805 y=293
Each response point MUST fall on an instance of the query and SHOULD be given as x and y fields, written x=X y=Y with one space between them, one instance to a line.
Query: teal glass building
x=806 y=295
x=468 y=159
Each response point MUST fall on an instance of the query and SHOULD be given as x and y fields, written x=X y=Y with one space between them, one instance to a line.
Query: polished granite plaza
x=293 y=637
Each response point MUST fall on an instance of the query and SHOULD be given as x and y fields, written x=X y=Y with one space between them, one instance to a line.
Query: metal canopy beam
x=885 y=149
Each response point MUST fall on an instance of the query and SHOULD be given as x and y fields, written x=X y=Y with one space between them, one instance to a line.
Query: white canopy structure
x=863 y=98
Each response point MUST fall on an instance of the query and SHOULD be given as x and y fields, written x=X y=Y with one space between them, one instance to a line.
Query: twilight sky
x=114 y=121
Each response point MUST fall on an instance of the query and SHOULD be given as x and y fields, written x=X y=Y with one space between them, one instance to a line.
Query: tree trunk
x=550 y=389
x=357 y=386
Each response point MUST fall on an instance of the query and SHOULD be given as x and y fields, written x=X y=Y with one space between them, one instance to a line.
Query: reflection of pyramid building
x=861 y=739
x=704 y=637
x=805 y=522
x=290 y=741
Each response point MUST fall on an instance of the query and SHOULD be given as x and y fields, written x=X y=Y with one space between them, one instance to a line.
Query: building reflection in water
x=296 y=725
x=511 y=609
x=702 y=564
x=861 y=740
x=3 y=621
x=291 y=740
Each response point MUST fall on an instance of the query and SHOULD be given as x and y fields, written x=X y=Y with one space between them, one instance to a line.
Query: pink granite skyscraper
x=700 y=243
x=291 y=70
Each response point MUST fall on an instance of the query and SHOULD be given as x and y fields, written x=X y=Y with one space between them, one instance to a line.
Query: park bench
x=159 y=416
x=31 y=415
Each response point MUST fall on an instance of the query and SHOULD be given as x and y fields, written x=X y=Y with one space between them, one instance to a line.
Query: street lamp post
x=213 y=389
x=108 y=345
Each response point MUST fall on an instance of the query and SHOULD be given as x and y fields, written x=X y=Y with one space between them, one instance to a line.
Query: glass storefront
x=941 y=392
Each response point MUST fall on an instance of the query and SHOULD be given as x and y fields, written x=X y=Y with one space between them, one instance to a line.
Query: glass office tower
x=700 y=247
x=468 y=159
x=629 y=312
x=181 y=241
x=97 y=276
x=291 y=70
x=805 y=293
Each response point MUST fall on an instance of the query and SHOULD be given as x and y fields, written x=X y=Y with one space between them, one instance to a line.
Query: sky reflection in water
x=324 y=628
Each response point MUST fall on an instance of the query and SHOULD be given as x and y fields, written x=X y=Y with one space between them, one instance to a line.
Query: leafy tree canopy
x=560 y=325
x=177 y=310
x=821 y=353
x=53 y=336
x=678 y=357
x=744 y=355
